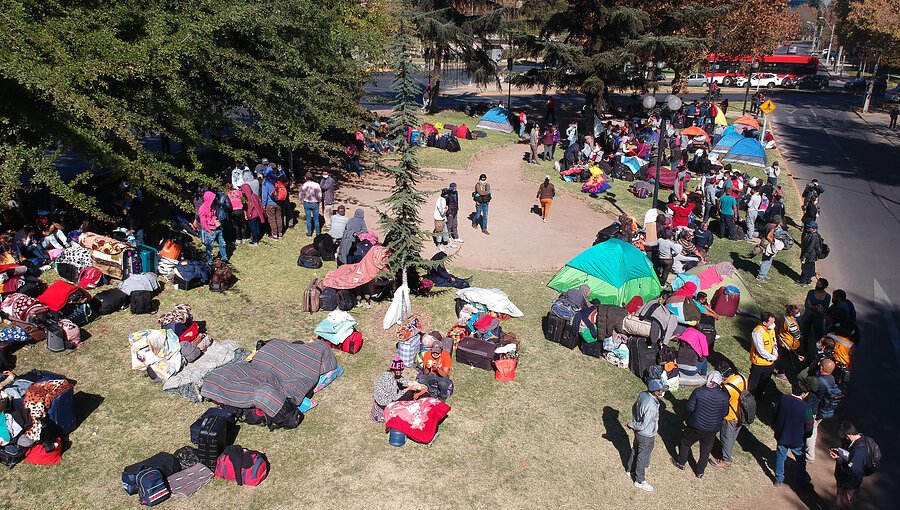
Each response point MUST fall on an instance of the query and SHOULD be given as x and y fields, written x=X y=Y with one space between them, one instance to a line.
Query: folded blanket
x=102 y=244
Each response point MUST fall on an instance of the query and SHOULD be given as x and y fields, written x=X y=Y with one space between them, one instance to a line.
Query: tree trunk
x=436 y=71
x=871 y=87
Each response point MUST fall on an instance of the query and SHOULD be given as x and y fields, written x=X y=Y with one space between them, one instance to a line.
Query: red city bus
x=788 y=68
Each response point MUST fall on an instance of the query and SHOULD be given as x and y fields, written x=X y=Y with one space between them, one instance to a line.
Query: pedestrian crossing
x=813 y=121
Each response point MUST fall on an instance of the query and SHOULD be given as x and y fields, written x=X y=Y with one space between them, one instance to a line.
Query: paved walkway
x=519 y=241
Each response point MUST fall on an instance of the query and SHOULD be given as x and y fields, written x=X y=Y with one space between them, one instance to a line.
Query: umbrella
x=747 y=121
x=695 y=131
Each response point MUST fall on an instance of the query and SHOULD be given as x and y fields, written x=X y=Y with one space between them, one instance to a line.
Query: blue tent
x=727 y=142
x=496 y=119
x=747 y=151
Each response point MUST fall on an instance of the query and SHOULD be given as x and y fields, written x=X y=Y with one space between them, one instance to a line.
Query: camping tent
x=615 y=271
x=727 y=142
x=496 y=119
x=747 y=151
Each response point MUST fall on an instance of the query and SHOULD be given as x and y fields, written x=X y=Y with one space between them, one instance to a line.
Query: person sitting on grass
x=391 y=386
x=443 y=278
x=436 y=368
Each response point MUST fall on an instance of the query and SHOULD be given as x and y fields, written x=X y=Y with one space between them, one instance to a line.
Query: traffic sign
x=767 y=107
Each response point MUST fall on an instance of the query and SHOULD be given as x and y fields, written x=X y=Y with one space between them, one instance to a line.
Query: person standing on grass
x=523 y=120
x=734 y=385
x=311 y=196
x=441 y=235
x=772 y=173
x=849 y=469
x=728 y=210
x=547 y=141
x=270 y=204
x=254 y=213
x=791 y=429
x=812 y=248
x=645 y=423
x=327 y=185
x=572 y=133
x=238 y=222
x=482 y=197
x=210 y=227
x=708 y=406
x=763 y=353
x=534 y=140
x=753 y=204
x=545 y=195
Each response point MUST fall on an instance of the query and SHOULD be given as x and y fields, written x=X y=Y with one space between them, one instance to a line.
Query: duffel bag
x=246 y=467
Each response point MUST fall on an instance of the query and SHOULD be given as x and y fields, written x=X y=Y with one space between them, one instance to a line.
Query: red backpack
x=251 y=464
x=280 y=193
x=89 y=277
x=352 y=344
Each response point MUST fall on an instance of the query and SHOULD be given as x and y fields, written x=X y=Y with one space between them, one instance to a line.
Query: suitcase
x=149 y=258
x=708 y=330
x=475 y=352
x=212 y=432
x=56 y=337
x=593 y=349
x=555 y=328
x=569 y=338
x=191 y=284
x=68 y=272
x=640 y=355
x=110 y=301
x=726 y=300
x=62 y=411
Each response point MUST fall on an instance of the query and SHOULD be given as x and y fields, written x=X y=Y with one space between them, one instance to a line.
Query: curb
x=859 y=114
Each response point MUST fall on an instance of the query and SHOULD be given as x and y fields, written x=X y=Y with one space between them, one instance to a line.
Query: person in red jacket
x=681 y=213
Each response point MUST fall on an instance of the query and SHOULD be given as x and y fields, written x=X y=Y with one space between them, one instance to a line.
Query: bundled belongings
x=222 y=277
x=61 y=294
x=23 y=308
x=417 y=419
x=148 y=478
x=351 y=276
x=107 y=254
x=158 y=351
x=280 y=376
x=336 y=327
x=494 y=300
x=188 y=382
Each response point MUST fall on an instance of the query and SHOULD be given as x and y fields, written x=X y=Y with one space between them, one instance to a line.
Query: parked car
x=696 y=80
x=892 y=95
x=856 y=85
x=809 y=82
x=768 y=80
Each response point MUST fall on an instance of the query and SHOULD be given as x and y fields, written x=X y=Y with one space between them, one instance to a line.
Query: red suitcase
x=726 y=300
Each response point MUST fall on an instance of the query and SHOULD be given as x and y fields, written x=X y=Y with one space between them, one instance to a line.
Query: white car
x=767 y=80
x=697 y=80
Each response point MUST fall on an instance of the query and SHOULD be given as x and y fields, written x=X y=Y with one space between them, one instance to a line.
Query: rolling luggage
x=593 y=349
x=641 y=354
x=110 y=301
x=558 y=330
x=212 y=433
x=148 y=257
x=726 y=300
x=475 y=352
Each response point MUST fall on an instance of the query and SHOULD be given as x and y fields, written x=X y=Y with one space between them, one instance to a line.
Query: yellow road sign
x=767 y=107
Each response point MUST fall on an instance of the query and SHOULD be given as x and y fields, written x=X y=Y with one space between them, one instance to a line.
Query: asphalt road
x=821 y=137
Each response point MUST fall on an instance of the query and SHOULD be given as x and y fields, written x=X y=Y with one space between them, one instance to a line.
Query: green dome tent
x=615 y=271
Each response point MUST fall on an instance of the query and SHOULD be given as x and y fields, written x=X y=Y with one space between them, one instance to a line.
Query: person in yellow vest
x=789 y=338
x=840 y=347
x=763 y=353
x=731 y=425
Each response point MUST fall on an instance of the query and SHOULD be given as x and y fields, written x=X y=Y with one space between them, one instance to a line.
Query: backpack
x=873 y=459
x=246 y=467
x=90 y=277
x=345 y=300
x=830 y=401
x=326 y=246
x=151 y=486
x=312 y=296
x=453 y=144
x=666 y=354
x=141 y=302
x=328 y=299
x=279 y=193
x=746 y=411
x=222 y=276
x=653 y=372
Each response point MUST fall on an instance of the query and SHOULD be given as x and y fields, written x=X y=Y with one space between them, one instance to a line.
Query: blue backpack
x=831 y=400
x=152 y=488
x=194 y=269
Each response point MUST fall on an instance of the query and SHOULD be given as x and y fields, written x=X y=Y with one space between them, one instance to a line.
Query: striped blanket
x=280 y=372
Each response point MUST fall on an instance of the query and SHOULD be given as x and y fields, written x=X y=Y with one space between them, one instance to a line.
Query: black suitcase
x=708 y=330
x=593 y=349
x=555 y=328
x=193 y=283
x=641 y=354
x=110 y=301
x=475 y=352
x=212 y=437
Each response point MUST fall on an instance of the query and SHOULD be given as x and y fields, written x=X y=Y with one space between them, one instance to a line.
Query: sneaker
x=544 y=220
x=644 y=486
x=254 y=244
x=676 y=464
x=237 y=242
x=45 y=268
x=485 y=232
x=719 y=463
x=458 y=241
x=453 y=246
x=777 y=484
x=699 y=476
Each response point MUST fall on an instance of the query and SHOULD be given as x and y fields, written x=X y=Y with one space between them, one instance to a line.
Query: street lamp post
x=754 y=65
x=672 y=105
x=651 y=73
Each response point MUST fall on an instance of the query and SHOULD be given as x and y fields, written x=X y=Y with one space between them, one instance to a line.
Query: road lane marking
x=884 y=303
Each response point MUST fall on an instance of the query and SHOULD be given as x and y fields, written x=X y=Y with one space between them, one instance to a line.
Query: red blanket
x=57 y=295
x=418 y=419
x=351 y=276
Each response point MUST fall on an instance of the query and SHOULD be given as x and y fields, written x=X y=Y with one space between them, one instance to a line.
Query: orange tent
x=747 y=121
x=694 y=131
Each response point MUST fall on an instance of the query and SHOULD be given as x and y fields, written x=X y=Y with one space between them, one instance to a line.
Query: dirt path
x=519 y=241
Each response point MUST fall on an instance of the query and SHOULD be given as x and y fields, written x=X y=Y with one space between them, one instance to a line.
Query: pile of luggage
x=448 y=141
x=212 y=455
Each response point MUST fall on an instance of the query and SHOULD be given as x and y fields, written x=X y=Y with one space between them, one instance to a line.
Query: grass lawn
x=554 y=437
x=432 y=157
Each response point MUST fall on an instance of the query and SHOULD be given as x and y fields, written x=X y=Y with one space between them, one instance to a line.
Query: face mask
x=482 y=180
x=771 y=326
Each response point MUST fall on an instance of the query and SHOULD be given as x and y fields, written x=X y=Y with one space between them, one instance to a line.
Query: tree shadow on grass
x=616 y=434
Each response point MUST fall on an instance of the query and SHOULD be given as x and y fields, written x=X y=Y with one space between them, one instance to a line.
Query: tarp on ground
x=727 y=142
x=496 y=119
x=747 y=151
x=615 y=271
x=747 y=306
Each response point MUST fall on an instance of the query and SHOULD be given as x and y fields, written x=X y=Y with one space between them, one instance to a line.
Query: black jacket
x=849 y=475
x=811 y=247
x=708 y=407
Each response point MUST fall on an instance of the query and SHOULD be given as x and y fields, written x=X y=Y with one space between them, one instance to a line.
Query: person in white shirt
x=311 y=196
x=772 y=173
x=752 y=212
x=237 y=175
x=441 y=234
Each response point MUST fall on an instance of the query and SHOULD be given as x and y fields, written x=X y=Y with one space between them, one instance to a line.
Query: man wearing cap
x=731 y=424
x=311 y=195
x=822 y=399
x=811 y=250
x=708 y=406
x=452 y=197
x=391 y=386
x=338 y=223
x=327 y=186
x=645 y=423
x=436 y=367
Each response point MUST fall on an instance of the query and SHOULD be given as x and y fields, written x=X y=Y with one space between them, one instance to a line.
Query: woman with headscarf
x=253 y=212
x=356 y=226
x=271 y=205
x=210 y=227
x=545 y=194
